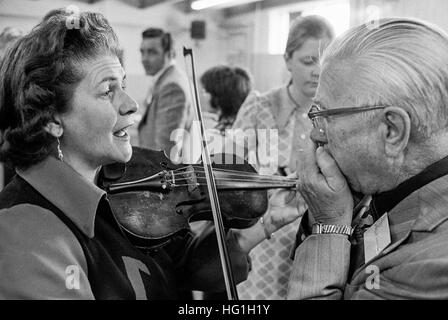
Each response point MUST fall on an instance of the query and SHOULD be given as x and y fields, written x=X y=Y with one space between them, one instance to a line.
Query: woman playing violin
x=64 y=113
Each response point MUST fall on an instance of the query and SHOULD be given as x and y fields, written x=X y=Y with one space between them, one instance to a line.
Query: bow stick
x=211 y=186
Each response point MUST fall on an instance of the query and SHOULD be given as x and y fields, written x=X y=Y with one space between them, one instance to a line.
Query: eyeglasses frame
x=339 y=111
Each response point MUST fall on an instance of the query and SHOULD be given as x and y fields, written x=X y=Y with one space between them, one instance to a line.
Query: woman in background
x=282 y=112
x=224 y=89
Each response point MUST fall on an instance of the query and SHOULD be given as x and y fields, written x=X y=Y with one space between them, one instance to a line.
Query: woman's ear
x=54 y=127
x=397 y=130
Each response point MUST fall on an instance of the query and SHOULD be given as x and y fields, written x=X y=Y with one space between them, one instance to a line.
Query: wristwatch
x=320 y=228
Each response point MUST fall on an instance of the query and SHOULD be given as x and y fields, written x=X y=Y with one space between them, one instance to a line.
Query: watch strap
x=320 y=228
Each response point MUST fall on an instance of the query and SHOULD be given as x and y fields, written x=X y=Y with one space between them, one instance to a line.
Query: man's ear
x=54 y=127
x=397 y=130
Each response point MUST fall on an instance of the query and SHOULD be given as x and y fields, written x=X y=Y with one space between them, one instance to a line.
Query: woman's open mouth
x=122 y=133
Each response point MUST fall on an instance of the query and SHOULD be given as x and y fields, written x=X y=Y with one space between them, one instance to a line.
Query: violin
x=154 y=199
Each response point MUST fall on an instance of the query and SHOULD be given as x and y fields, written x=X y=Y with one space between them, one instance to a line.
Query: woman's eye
x=309 y=61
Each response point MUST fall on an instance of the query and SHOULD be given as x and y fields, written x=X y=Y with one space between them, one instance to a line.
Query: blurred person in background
x=7 y=37
x=282 y=111
x=168 y=103
x=224 y=89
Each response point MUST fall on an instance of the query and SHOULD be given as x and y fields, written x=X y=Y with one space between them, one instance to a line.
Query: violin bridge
x=173 y=178
x=191 y=179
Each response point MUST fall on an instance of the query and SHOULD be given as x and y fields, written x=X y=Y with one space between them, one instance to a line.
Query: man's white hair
x=401 y=62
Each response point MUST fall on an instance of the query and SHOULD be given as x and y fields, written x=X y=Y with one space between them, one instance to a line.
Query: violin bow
x=212 y=190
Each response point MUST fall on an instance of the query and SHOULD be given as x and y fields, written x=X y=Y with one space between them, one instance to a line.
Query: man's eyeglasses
x=316 y=114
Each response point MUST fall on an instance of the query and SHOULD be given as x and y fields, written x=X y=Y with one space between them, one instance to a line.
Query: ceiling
x=184 y=5
x=136 y=3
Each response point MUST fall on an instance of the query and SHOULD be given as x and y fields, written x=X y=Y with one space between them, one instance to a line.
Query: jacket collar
x=417 y=204
x=67 y=190
x=386 y=201
x=421 y=208
x=433 y=201
x=158 y=77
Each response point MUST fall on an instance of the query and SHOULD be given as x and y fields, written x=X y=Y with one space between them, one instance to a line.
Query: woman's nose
x=127 y=105
x=315 y=72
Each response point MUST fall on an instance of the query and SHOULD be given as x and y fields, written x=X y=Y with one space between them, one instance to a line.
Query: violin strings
x=246 y=180
x=242 y=174
x=242 y=178
x=270 y=186
x=217 y=170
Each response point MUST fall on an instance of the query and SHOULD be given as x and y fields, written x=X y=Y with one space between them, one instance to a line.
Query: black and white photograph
x=224 y=155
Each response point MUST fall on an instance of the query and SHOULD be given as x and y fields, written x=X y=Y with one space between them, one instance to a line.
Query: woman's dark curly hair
x=38 y=76
x=228 y=88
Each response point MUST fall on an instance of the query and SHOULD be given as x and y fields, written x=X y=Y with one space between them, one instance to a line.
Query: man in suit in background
x=168 y=102
x=380 y=128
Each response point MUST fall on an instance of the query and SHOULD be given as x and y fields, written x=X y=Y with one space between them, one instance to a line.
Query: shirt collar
x=431 y=184
x=159 y=74
x=285 y=108
x=67 y=190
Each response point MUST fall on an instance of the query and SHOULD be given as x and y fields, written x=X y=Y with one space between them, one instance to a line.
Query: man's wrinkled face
x=350 y=139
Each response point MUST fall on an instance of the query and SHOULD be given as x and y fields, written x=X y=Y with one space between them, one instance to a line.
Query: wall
x=248 y=41
x=247 y=36
x=433 y=11
x=128 y=22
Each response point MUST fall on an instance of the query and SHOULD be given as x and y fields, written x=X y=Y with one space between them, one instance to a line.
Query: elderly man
x=380 y=128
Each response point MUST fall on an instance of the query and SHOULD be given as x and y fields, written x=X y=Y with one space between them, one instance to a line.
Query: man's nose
x=144 y=57
x=318 y=136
